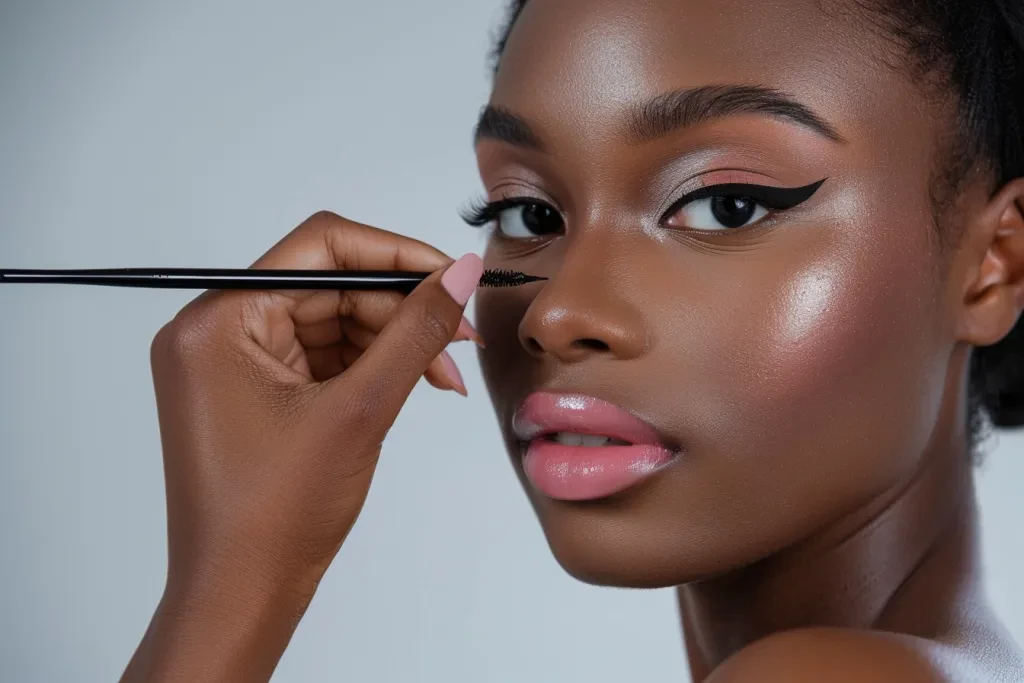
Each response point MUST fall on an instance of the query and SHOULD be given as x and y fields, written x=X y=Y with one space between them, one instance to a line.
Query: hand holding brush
x=273 y=406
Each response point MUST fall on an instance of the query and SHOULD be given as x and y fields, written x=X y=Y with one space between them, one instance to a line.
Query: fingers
x=441 y=374
x=320 y=320
x=275 y=320
x=326 y=241
x=424 y=324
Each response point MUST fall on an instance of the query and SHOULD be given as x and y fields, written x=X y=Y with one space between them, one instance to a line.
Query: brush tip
x=507 y=278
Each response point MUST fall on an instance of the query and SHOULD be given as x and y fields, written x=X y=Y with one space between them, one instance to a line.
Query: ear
x=994 y=296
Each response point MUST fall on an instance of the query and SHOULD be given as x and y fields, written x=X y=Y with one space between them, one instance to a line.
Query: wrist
x=221 y=625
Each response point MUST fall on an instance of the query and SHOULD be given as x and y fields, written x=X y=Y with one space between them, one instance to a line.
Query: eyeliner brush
x=246 y=279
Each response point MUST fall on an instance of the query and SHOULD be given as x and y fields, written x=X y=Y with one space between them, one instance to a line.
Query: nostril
x=573 y=349
x=591 y=345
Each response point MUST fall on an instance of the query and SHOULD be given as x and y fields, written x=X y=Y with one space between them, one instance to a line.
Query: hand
x=273 y=407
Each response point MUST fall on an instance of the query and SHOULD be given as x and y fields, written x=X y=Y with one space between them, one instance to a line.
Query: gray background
x=198 y=133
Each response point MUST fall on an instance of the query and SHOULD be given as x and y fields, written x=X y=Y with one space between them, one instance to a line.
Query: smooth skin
x=813 y=367
x=821 y=522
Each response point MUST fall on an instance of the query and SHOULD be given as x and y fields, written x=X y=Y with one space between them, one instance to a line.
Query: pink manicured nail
x=467 y=331
x=454 y=376
x=462 y=278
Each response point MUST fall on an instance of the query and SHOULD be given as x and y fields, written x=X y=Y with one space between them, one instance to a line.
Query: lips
x=582 y=448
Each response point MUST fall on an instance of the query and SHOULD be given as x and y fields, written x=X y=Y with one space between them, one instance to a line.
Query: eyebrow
x=497 y=123
x=670 y=112
x=689 y=107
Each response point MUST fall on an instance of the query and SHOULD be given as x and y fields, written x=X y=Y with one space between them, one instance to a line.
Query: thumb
x=424 y=324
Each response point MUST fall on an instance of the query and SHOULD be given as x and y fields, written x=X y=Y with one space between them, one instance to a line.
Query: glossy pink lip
x=581 y=472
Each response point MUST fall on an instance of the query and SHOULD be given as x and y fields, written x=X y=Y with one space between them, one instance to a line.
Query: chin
x=671 y=529
x=620 y=542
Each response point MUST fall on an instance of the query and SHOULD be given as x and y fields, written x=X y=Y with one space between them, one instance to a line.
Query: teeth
x=586 y=440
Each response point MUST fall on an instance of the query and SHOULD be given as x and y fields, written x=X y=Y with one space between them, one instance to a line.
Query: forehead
x=583 y=62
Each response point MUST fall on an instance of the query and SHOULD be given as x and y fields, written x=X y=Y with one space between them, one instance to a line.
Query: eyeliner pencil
x=246 y=279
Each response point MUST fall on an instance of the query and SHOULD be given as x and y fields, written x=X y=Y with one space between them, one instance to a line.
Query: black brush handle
x=222 y=278
x=248 y=279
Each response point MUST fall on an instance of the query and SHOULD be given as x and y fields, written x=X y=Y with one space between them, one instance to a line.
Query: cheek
x=830 y=322
x=805 y=304
x=837 y=369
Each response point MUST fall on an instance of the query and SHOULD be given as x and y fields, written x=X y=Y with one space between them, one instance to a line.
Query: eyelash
x=770 y=197
x=481 y=212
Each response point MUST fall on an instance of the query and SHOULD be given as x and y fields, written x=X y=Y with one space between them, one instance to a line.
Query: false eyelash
x=775 y=198
x=480 y=212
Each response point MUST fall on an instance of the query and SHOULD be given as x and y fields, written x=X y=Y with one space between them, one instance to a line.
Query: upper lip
x=544 y=413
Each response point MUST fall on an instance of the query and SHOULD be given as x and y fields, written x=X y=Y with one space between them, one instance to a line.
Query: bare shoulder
x=851 y=656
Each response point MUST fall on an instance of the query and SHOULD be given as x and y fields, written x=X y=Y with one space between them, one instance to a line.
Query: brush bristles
x=507 y=278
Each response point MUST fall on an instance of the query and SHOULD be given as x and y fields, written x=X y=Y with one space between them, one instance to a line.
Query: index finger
x=326 y=241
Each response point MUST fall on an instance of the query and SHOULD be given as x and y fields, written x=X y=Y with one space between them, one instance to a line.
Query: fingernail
x=452 y=371
x=467 y=331
x=462 y=278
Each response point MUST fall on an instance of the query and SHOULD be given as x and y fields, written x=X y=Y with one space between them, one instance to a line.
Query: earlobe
x=995 y=296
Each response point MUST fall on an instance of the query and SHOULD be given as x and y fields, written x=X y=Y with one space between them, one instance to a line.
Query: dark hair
x=973 y=49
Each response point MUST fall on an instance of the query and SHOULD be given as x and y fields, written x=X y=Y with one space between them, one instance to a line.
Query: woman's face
x=790 y=365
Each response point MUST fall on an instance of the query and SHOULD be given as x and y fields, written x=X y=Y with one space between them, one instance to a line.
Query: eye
x=718 y=213
x=516 y=218
x=529 y=220
x=717 y=208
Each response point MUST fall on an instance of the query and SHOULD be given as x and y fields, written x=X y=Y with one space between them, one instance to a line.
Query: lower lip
x=576 y=473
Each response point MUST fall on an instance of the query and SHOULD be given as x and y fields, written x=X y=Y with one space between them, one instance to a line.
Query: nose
x=582 y=314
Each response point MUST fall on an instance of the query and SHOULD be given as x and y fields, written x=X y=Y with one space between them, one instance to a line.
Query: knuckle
x=187 y=335
x=318 y=226
x=324 y=218
x=320 y=221
x=177 y=341
x=346 y=241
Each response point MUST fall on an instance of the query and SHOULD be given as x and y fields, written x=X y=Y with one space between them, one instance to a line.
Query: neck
x=902 y=562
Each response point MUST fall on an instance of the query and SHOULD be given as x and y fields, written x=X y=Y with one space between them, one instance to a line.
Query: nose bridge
x=583 y=310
